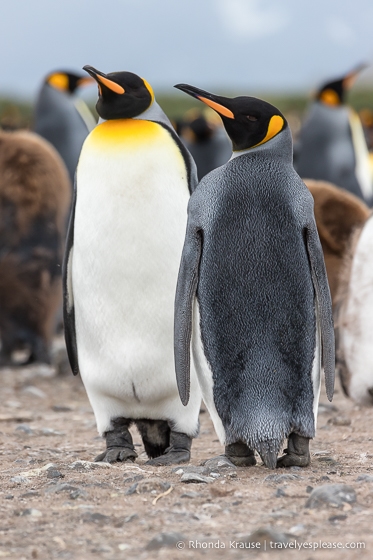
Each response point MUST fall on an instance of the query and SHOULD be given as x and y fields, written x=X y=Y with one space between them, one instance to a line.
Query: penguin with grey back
x=61 y=117
x=125 y=239
x=252 y=294
x=331 y=145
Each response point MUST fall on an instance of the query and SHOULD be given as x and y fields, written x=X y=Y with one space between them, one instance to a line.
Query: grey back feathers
x=58 y=120
x=253 y=257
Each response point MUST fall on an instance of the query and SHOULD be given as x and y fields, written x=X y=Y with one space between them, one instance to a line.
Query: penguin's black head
x=67 y=81
x=334 y=93
x=122 y=95
x=248 y=121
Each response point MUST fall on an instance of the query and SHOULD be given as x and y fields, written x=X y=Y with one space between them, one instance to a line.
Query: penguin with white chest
x=126 y=234
x=252 y=294
x=331 y=145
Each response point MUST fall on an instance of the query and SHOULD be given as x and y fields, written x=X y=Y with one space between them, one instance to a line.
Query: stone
x=264 y=535
x=19 y=479
x=364 y=478
x=191 y=495
x=196 y=478
x=54 y=473
x=333 y=495
x=189 y=469
x=152 y=485
x=61 y=408
x=97 y=518
x=174 y=540
x=340 y=420
x=34 y=391
x=277 y=478
x=25 y=428
x=88 y=465
x=218 y=464
x=30 y=511
x=326 y=408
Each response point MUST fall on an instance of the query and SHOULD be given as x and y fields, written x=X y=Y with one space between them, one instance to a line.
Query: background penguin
x=62 y=118
x=125 y=239
x=354 y=318
x=338 y=214
x=208 y=143
x=331 y=144
x=34 y=202
x=251 y=266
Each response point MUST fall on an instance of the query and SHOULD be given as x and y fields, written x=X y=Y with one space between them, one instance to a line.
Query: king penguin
x=61 y=117
x=252 y=295
x=126 y=234
x=331 y=145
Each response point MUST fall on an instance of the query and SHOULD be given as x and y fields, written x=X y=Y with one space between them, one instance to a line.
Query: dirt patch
x=56 y=504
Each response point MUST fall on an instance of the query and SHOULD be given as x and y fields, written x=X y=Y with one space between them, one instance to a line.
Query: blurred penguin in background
x=354 y=318
x=206 y=140
x=34 y=202
x=62 y=118
x=331 y=144
x=338 y=214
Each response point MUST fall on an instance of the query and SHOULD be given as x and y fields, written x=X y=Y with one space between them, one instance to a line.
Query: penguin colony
x=34 y=202
x=251 y=323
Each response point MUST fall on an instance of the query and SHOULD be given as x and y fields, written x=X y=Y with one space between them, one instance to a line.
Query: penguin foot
x=240 y=454
x=297 y=454
x=178 y=452
x=119 y=444
x=115 y=454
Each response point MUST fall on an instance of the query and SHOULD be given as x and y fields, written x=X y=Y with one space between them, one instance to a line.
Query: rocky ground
x=56 y=503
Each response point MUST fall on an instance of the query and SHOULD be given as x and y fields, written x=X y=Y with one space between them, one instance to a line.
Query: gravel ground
x=56 y=503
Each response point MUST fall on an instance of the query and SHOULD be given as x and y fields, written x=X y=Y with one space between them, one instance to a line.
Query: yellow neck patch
x=59 y=81
x=150 y=90
x=330 y=97
x=275 y=126
x=124 y=134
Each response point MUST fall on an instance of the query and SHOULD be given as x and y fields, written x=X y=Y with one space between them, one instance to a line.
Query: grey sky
x=248 y=45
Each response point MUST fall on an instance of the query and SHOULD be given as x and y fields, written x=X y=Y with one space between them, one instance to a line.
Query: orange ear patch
x=217 y=107
x=330 y=97
x=111 y=85
x=59 y=81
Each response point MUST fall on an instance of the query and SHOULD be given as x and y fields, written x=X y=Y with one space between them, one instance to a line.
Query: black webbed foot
x=297 y=453
x=240 y=454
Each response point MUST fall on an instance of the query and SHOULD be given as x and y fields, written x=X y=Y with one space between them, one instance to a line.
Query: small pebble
x=340 y=420
x=25 y=428
x=165 y=540
x=364 y=478
x=196 y=478
x=334 y=495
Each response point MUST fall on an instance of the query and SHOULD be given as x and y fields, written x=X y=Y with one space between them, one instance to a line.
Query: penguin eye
x=251 y=118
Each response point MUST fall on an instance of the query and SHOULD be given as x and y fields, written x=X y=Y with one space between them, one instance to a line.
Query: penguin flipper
x=68 y=298
x=185 y=294
x=324 y=305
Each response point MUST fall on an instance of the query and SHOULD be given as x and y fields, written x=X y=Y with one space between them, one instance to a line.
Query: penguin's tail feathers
x=268 y=451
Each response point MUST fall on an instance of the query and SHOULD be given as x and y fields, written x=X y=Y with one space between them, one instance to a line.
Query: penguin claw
x=117 y=454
